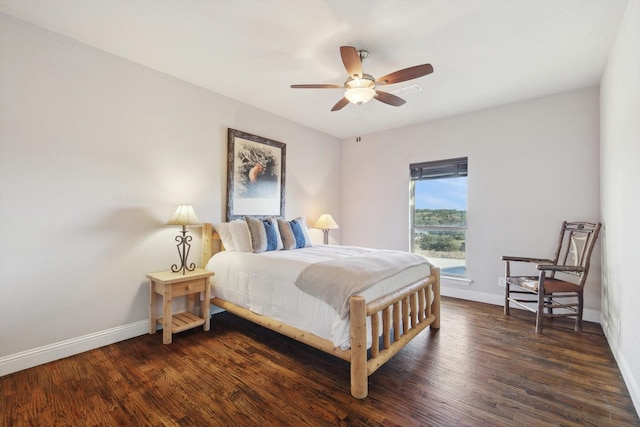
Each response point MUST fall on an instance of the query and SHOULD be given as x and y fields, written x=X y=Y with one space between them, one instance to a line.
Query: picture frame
x=256 y=176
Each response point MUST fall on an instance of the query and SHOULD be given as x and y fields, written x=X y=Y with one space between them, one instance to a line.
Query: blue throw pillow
x=272 y=236
x=296 y=228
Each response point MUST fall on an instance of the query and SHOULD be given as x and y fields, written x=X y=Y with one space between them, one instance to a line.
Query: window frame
x=439 y=169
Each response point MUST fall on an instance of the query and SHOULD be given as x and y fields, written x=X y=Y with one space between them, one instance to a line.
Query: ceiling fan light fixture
x=360 y=90
x=359 y=95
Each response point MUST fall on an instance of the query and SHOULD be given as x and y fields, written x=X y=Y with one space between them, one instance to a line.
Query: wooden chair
x=559 y=278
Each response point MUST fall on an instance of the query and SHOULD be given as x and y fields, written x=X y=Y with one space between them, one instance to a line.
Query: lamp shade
x=184 y=215
x=325 y=222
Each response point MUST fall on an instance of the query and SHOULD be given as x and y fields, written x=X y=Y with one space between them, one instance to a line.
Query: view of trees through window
x=439 y=217
x=439 y=243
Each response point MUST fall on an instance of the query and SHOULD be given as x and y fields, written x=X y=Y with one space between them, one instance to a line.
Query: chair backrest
x=577 y=240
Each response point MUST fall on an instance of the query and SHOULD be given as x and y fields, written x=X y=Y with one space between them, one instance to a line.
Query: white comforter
x=265 y=284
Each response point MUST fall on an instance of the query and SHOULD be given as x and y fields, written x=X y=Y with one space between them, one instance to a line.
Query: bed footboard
x=404 y=314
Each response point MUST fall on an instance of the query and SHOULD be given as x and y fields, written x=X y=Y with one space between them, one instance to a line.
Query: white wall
x=531 y=166
x=95 y=154
x=620 y=174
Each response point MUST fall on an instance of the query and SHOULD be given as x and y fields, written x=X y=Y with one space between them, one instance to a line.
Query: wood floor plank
x=481 y=369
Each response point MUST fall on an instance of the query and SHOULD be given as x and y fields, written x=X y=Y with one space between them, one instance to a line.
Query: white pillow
x=240 y=235
x=224 y=231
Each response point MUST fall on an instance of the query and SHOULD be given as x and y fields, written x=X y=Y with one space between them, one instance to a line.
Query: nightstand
x=169 y=285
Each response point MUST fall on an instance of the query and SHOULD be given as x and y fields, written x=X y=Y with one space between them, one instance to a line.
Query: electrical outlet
x=502 y=282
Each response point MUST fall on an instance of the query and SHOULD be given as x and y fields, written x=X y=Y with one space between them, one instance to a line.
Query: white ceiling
x=484 y=52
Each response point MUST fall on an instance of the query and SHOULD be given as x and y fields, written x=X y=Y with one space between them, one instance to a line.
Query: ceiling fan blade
x=320 y=86
x=388 y=98
x=406 y=74
x=351 y=60
x=340 y=104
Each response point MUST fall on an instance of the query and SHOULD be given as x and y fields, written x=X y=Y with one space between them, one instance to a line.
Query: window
x=439 y=213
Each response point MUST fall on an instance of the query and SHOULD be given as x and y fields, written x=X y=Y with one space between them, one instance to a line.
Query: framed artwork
x=255 y=176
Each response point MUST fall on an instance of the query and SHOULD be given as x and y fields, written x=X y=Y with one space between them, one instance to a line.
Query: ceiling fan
x=361 y=87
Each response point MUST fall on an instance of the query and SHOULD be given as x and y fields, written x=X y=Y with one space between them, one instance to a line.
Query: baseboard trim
x=59 y=350
x=588 y=315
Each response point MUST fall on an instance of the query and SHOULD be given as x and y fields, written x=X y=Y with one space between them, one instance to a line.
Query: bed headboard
x=211 y=243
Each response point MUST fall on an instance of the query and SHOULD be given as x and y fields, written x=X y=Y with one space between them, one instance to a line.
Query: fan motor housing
x=367 y=81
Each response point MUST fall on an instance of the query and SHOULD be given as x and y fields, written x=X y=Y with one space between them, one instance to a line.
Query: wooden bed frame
x=404 y=314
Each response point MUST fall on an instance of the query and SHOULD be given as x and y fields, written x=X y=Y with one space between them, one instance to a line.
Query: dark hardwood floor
x=480 y=369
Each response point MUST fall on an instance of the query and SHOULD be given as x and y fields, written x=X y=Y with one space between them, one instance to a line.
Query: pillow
x=258 y=234
x=303 y=224
x=240 y=235
x=274 y=222
x=224 y=231
x=271 y=232
x=286 y=234
x=299 y=229
x=298 y=235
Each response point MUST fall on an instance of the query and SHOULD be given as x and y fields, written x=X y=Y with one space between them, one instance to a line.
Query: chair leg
x=540 y=312
x=506 y=299
x=507 y=273
x=578 y=327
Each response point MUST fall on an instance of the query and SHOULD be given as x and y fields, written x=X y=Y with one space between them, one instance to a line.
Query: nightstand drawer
x=190 y=287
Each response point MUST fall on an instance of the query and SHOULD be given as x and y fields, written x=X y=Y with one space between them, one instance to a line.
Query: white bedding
x=265 y=284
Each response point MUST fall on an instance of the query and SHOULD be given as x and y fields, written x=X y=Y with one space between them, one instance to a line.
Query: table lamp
x=184 y=216
x=326 y=223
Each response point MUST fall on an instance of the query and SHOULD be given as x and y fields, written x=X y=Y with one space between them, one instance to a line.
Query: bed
x=374 y=325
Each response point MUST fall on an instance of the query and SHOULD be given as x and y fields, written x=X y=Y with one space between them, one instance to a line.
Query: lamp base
x=326 y=236
x=183 y=268
x=184 y=245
